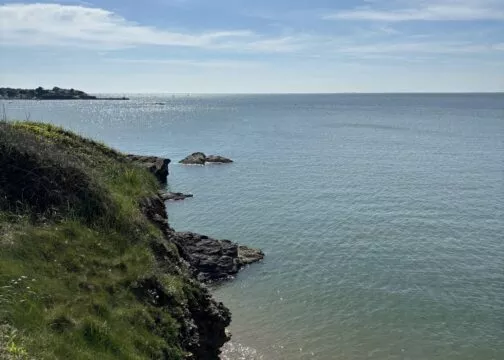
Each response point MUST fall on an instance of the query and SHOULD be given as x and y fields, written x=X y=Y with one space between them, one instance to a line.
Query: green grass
x=75 y=253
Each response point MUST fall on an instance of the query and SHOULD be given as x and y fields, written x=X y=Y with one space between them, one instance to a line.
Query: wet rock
x=214 y=260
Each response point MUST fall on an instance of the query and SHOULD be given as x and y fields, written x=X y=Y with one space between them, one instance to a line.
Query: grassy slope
x=74 y=250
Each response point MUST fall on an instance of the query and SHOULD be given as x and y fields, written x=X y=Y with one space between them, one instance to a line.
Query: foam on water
x=236 y=351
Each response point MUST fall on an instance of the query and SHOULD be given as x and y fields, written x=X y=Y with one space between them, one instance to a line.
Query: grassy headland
x=84 y=274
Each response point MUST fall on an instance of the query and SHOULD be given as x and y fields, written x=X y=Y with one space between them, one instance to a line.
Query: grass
x=75 y=254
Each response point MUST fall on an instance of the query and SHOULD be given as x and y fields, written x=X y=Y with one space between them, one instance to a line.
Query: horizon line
x=309 y=93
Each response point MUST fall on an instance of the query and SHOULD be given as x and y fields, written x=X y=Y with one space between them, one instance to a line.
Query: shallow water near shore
x=382 y=216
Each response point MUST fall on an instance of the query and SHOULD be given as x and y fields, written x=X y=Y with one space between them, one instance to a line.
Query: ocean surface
x=382 y=216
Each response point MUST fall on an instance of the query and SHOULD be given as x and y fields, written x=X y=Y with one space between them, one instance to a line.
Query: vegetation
x=55 y=93
x=44 y=94
x=78 y=276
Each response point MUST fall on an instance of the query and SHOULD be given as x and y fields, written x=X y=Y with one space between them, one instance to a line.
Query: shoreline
x=56 y=93
x=211 y=260
x=65 y=99
x=86 y=221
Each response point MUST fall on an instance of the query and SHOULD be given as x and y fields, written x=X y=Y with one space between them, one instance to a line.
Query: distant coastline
x=55 y=93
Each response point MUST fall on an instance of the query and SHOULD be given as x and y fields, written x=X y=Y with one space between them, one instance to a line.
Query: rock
x=218 y=159
x=197 y=158
x=248 y=255
x=155 y=210
x=156 y=165
x=203 y=320
x=214 y=260
x=176 y=196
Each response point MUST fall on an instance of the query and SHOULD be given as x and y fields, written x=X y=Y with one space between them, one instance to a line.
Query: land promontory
x=90 y=267
x=55 y=93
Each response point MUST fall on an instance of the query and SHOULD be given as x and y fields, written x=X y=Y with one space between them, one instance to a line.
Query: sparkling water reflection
x=382 y=216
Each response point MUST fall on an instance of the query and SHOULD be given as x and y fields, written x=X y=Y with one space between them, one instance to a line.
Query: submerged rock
x=214 y=260
x=176 y=196
x=248 y=255
x=199 y=158
x=156 y=165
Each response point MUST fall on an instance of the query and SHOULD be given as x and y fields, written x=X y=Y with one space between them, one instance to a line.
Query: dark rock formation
x=218 y=159
x=199 y=158
x=204 y=320
x=214 y=260
x=157 y=166
x=209 y=260
x=176 y=196
x=155 y=210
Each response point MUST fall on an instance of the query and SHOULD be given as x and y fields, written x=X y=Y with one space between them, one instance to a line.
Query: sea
x=381 y=215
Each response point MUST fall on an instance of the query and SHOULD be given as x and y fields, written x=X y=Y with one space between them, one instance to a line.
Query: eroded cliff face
x=207 y=260
x=203 y=319
x=156 y=165
x=84 y=274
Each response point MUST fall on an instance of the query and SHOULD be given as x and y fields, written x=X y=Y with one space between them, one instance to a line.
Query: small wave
x=236 y=351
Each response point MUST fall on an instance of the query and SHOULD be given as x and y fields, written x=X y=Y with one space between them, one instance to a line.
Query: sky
x=259 y=46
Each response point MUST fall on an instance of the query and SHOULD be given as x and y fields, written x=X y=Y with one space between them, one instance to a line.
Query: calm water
x=382 y=216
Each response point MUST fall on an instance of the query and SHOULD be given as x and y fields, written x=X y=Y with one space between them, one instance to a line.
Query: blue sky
x=238 y=46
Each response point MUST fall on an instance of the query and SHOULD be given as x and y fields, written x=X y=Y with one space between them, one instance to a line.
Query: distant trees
x=43 y=94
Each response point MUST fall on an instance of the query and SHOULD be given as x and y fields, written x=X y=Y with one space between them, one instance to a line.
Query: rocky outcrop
x=199 y=158
x=175 y=196
x=208 y=260
x=156 y=165
x=218 y=159
x=204 y=320
x=214 y=260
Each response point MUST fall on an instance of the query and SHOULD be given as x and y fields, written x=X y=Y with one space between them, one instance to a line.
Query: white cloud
x=430 y=10
x=224 y=64
x=83 y=26
x=284 y=44
x=419 y=48
x=76 y=25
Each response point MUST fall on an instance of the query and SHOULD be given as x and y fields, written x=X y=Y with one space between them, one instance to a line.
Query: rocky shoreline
x=209 y=259
x=214 y=260
x=199 y=158
x=88 y=226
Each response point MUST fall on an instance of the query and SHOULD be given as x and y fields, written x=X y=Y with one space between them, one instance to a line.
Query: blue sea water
x=382 y=216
